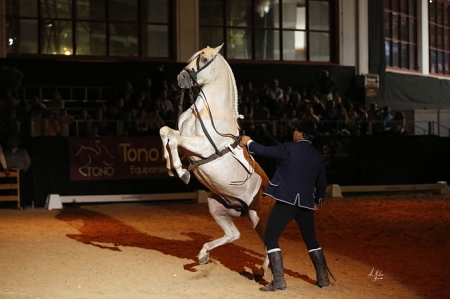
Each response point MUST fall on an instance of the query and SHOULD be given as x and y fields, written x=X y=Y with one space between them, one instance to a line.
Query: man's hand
x=245 y=139
x=6 y=171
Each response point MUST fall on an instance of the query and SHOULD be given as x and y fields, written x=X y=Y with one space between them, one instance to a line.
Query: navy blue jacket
x=300 y=177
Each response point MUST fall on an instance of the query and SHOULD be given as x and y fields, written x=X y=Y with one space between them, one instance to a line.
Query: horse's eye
x=204 y=59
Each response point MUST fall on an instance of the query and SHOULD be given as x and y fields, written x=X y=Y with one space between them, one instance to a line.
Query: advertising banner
x=116 y=158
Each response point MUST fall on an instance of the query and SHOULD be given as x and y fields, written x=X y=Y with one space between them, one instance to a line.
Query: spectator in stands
x=287 y=92
x=308 y=113
x=362 y=120
x=174 y=98
x=353 y=124
x=166 y=109
x=56 y=102
x=374 y=115
x=399 y=123
x=329 y=117
x=386 y=118
x=342 y=127
x=304 y=94
x=337 y=98
x=245 y=110
x=65 y=122
x=141 y=102
x=129 y=96
x=261 y=116
x=280 y=108
x=83 y=123
x=10 y=99
x=172 y=85
x=36 y=122
x=291 y=119
x=250 y=91
x=318 y=106
x=99 y=123
x=121 y=109
x=295 y=101
x=147 y=89
x=94 y=130
x=37 y=103
x=116 y=116
x=326 y=85
x=274 y=91
x=240 y=92
x=16 y=156
x=351 y=111
x=155 y=121
x=248 y=103
x=12 y=124
x=50 y=125
x=140 y=125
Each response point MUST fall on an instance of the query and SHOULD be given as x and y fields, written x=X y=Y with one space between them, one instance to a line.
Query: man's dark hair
x=308 y=136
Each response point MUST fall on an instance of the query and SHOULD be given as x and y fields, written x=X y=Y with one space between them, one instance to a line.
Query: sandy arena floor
x=376 y=247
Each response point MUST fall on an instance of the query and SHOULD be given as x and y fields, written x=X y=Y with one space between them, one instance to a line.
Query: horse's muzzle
x=184 y=79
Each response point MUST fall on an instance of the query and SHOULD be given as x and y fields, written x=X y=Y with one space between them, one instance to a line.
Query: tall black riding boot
x=276 y=265
x=320 y=264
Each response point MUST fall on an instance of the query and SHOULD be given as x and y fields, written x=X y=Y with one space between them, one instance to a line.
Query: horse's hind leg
x=224 y=219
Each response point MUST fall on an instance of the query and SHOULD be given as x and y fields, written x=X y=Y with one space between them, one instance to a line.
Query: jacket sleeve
x=276 y=152
x=321 y=185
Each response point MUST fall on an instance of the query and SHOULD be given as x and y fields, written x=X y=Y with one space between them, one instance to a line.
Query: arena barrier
x=55 y=201
x=440 y=188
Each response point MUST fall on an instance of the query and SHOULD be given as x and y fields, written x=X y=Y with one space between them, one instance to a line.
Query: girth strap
x=194 y=164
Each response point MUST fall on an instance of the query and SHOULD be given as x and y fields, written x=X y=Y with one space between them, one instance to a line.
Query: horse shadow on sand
x=106 y=232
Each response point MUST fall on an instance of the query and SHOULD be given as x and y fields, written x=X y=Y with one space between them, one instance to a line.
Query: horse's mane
x=233 y=80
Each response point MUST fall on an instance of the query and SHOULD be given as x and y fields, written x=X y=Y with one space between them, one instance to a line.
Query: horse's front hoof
x=186 y=177
x=170 y=172
x=203 y=259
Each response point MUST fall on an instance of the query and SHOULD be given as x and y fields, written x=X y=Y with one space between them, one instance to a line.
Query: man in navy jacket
x=298 y=187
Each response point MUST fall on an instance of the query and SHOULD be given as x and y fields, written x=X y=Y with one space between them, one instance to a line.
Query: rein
x=193 y=75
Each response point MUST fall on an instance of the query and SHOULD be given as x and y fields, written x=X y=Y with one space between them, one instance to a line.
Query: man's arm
x=321 y=185
x=276 y=152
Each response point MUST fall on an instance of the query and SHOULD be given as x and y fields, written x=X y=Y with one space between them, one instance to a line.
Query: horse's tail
x=261 y=204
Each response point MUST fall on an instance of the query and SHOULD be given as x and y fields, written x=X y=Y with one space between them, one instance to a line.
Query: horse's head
x=197 y=63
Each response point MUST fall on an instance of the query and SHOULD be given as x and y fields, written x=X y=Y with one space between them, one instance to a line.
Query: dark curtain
x=377 y=54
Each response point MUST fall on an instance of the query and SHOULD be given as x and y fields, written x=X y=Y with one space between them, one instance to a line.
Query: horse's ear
x=217 y=49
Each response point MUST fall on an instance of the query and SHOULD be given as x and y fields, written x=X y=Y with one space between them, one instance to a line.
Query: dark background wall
x=368 y=160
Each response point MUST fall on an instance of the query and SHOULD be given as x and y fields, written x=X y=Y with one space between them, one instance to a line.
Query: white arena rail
x=55 y=201
x=440 y=188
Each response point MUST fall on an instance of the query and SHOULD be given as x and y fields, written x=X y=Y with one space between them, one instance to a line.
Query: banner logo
x=116 y=158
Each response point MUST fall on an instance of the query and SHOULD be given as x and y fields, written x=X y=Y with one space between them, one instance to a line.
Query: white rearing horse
x=209 y=135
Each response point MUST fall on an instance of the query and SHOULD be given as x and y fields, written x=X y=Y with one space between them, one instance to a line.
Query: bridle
x=193 y=75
